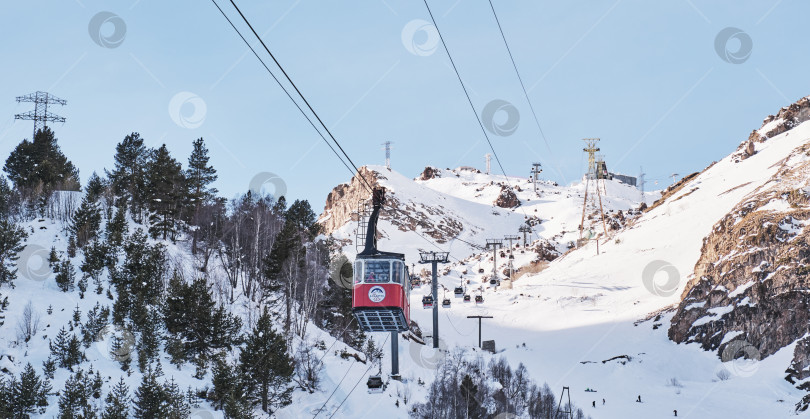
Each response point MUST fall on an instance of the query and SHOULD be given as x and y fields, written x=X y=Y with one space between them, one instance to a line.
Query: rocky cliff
x=749 y=296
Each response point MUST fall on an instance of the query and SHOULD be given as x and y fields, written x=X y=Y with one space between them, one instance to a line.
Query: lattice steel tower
x=592 y=181
x=40 y=114
x=387 y=149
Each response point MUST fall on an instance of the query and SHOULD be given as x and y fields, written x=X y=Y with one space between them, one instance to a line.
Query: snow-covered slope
x=585 y=308
x=455 y=211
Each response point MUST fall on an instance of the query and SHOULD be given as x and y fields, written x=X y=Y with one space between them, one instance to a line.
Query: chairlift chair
x=427 y=301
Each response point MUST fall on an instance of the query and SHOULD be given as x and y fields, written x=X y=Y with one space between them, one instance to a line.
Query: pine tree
x=128 y=178
x=117 y=229
x=227 y=385
x=71 y=247
x=76 y=399
x=53 y=258
x=40 y=165
x=117 y=402
x=66 y=276
x=174 y=403
x=148 y=401
x=7 y=198
x=96 y=257
x=95 y=187
x=96 y=320
x=49 y=367
x=86 y=221
x=199 y=176
x=266 y=367
x=30 y=393
x=166 y=192
x=195 y=326
x=11 y=243
x=149 y=343
x=139 y=281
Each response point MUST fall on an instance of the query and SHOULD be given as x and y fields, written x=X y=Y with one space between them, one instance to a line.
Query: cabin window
x=358 y=272
x=397 y=272
x=377 y=271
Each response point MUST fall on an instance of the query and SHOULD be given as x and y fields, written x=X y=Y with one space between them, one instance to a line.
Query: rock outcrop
x=751 y=282
x=507 y=198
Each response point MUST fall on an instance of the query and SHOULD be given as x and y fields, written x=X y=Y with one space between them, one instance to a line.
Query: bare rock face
x=344 y=200
x=750 y=284
x=430 y=173
x=507 y=198
x=785 y=120
x=342 y=205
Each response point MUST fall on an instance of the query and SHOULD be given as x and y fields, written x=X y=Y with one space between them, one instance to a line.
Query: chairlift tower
x=536 y=169
x=592 y=180
x=40 y=114
x=524 y=229
x=511 y=256
x=434 y=258
x=495 y=244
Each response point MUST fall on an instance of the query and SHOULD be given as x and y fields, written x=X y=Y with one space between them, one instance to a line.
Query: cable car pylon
x=434 y=258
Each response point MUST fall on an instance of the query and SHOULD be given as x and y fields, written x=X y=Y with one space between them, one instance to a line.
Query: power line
x=522 y=86
x=282 y=86
x=358 y=381
x=472 y=106
x=299 y=92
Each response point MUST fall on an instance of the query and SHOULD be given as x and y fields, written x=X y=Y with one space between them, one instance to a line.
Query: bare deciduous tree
x=28 y=324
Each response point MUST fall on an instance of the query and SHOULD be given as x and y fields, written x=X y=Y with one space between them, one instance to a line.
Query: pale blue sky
x=644 y=76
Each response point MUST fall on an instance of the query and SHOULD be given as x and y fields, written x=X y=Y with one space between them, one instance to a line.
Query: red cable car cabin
x=380 y=296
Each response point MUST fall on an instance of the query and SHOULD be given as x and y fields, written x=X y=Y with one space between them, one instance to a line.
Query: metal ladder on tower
x=363 y=213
